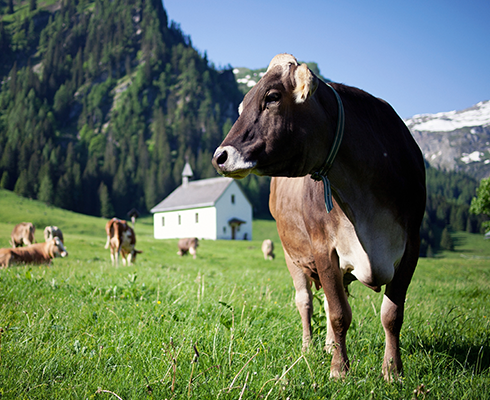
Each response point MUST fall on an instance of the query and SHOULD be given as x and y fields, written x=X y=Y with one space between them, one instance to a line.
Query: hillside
x=102 y=102
x=456 y=140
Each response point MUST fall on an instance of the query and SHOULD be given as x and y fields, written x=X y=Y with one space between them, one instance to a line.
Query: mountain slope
x=456 y=140
x=101 y=103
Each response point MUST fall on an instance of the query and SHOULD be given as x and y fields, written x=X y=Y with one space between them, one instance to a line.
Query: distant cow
x=23 y=234
x=39 y=253
x=188 y=245
x=121 y=239
x=53 y=231
x=268 y=249
x=356 y=149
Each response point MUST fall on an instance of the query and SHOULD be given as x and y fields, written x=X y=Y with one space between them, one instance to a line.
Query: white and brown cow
x=121 y=239
x=268 y=249
x=38 y=253
x=23 y=234
x=51 y=232
x=291 y=124
x=188 y=245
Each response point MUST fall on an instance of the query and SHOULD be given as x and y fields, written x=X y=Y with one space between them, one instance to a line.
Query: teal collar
x=322 y=173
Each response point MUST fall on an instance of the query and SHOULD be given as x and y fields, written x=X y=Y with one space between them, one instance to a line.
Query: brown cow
x=39 y=253
x=188 y=245
x=121 y=239
x=23 y=234
x=268 y=249
x=292 y=125
x=53 y=231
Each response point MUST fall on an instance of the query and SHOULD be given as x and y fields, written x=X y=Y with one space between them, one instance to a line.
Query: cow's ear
x=305 y=83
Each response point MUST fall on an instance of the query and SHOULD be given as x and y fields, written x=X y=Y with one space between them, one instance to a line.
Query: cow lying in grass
x=38 y=253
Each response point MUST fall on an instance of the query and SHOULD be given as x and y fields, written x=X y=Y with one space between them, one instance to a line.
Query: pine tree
x=430 y=252
x=446 y=240
x=46 y=189
x=4 y=182
x=106 y=209
x=22 y=184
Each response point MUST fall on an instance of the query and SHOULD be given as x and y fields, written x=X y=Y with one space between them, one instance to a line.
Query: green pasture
x=223 y=326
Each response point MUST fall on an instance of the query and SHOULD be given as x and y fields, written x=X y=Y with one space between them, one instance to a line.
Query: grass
x=224 y=325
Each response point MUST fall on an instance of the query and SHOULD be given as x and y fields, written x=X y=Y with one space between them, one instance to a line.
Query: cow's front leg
x=339 y=314
x=330 y=338
x=304 y=299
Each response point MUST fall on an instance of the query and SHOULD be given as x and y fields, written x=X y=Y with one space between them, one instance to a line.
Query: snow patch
x=472 y=157
x=478 y=115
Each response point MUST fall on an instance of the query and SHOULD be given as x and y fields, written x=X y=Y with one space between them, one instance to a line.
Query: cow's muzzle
x=228 y=161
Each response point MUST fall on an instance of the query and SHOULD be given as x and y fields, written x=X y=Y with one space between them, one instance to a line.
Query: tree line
x=102 y=102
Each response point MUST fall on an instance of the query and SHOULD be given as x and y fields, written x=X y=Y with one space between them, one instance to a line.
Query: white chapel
x=213 y=209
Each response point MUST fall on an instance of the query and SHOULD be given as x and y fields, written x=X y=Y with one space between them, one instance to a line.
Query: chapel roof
x=201 y=193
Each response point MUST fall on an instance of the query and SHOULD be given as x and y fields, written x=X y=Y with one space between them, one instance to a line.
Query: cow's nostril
x=222 y=158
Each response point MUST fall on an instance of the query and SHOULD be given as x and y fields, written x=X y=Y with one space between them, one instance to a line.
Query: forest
x=102 y=102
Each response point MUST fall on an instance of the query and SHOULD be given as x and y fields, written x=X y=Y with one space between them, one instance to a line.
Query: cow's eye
x=271 y=97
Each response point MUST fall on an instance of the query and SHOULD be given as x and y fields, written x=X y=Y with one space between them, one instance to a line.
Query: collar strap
x=322 y=173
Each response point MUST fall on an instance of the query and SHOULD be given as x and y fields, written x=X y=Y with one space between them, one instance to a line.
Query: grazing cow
x=23 y=234
x=188 y=245
x=53 y=231
x=121 y=239
x=268 y=249
x=39 y=253
x=292 y=124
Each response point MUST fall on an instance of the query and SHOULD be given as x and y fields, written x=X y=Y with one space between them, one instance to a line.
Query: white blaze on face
x=60 y=248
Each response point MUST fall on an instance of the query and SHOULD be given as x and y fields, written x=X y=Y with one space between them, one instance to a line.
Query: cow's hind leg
x=392 y=311
x=304 y=299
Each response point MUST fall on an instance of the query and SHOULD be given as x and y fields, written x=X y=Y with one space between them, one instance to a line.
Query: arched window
x=232 y=199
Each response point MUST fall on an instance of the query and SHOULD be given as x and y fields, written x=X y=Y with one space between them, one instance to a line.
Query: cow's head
x=56 y=248
x=275 y=134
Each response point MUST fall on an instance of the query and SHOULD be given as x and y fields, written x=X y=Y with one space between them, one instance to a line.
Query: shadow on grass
x=458 y=240
x=474 y=358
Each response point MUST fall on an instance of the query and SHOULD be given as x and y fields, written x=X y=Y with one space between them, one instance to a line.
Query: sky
x=422 y=56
